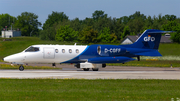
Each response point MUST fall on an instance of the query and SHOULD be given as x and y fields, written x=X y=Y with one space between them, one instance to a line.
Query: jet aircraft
x=92 y=56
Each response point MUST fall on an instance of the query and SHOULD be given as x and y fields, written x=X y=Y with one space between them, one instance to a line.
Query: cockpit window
x=32 y=49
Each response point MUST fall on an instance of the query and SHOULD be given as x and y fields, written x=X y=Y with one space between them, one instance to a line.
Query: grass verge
x=149 y=63
x=8 y=66
x=88 y=90
x=176 y=58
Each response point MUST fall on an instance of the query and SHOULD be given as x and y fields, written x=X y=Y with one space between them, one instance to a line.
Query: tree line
x=27 y=23
x=98 y=28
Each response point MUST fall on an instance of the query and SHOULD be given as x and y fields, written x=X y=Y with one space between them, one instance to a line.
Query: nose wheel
x=21 y=68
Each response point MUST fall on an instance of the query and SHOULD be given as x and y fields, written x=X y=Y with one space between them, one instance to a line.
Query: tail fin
x=150 y=39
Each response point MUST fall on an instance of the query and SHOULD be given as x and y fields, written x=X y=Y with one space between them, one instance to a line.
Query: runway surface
x=111 y=72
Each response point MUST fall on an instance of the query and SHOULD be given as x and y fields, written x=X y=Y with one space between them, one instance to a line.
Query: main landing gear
x=86 y=69
x=94 y=69
x=21 y=67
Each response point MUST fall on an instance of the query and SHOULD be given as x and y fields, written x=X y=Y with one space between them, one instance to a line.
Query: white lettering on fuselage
x=149 y=38
x=112 y=50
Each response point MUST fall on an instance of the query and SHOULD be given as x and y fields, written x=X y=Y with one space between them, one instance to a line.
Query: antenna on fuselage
x=75 y=44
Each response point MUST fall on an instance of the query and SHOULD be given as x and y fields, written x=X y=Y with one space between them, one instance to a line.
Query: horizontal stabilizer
x=150 y=53
x=160 y=32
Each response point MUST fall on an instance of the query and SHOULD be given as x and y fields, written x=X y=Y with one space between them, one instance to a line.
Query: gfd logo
x=149 y=38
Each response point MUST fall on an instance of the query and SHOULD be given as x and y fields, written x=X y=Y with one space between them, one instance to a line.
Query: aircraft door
x=49 y=53
x=99 y=50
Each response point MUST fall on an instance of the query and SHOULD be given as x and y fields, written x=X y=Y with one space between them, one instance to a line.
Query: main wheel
x=95 y=69
x=86 y=69
x=21 y=68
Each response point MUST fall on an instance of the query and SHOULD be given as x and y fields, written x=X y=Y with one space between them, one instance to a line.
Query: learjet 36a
x=92 y=56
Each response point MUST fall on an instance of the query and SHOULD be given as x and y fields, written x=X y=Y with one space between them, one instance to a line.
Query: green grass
x=8 y=66
x=172 y=49
x=171 y=58
x=149 y=63
x=88 y=90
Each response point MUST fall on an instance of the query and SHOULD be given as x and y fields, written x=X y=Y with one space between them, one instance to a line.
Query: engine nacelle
x=89 y=65
x=110 y=50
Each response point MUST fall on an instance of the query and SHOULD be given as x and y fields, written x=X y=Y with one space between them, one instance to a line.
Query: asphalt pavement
x=110 y=72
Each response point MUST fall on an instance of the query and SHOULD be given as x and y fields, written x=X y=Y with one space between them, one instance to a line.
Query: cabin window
x=77 y=50
x=32 y=49
x=70 y=50
x=56 y=50
x=63 y=50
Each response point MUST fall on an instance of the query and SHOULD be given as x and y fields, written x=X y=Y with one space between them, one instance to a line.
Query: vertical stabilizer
x=149 y=39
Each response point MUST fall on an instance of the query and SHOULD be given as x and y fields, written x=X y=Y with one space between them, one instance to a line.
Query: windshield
x=32 y=49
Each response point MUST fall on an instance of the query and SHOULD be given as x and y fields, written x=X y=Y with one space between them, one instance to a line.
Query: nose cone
x=14 y=58
x=6 y=59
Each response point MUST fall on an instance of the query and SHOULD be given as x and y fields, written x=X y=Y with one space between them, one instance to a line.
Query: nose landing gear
x=21 y=67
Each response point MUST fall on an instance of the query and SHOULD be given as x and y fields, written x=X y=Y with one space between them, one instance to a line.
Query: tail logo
x=149 y=38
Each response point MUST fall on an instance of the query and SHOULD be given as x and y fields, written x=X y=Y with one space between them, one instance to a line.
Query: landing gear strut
x=21 y=68
x=138 y=57
x=53 y=64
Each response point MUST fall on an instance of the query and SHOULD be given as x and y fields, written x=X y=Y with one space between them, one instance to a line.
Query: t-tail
x=149 y=40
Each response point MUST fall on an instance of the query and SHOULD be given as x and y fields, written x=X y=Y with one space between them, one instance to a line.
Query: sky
x=84 y=8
